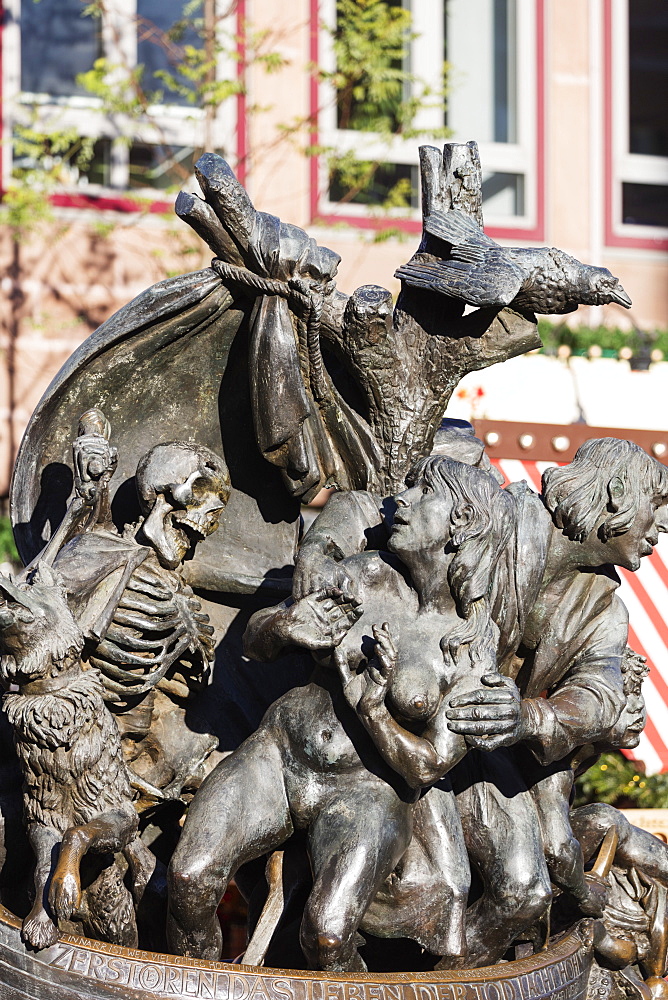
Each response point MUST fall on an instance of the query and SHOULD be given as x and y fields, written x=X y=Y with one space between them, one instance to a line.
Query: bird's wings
x=494 y=282
x=476 y=270
x=461 y=231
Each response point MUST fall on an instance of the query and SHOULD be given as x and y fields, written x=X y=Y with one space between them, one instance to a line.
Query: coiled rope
x=304 y=300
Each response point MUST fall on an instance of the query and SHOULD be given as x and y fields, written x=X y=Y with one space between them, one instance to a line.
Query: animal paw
x=65 y=894
x=39 y=930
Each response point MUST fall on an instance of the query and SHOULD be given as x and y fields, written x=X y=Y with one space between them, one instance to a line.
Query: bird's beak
x=620 y=296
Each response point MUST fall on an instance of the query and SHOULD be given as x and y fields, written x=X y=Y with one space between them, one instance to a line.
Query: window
x=637 y=140
x=57 y=44
x=492 y=95
x=48 y=45
x=488 y=101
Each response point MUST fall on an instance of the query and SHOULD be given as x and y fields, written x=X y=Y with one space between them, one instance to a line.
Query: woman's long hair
x=477 y=542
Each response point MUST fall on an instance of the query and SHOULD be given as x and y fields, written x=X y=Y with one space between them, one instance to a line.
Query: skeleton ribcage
x=158 y=625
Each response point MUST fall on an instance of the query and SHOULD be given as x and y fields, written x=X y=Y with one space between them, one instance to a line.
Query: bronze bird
x=482 y=273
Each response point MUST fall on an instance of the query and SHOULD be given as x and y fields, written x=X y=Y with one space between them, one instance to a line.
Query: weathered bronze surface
x=383 y=759
x=76 y=967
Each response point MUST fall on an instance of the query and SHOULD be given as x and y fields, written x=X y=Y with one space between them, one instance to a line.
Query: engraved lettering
x=98 y=966
x=62 y=961
x=173 y=981
x=537 y=980
x=80 y=961
x=353 y=991
x=284 y=989
x=563 y=980
x=151 y=977
x=525 y=987
x=222 y=986
x=191 y=983
x=259 y=987
x=509 y=989
x=492 y=992
x=240 y=988
x=207 y=982
x=117 y=971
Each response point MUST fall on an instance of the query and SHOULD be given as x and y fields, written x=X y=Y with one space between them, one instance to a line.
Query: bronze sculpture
x=77 y=795
x=482 y=273
x=144 y=628
x=438 y=665
x=310 y=744
x=616 y=490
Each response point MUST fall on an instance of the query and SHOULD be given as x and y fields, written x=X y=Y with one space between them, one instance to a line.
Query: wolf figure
x=77 y=794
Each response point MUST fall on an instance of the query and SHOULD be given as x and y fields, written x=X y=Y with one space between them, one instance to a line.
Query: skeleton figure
x=146 y=632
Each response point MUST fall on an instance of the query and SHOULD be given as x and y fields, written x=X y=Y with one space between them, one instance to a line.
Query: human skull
x=182 y=490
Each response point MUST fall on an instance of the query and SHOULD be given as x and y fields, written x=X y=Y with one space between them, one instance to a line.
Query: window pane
x=57 y=43
x=503 y=194
x=480 y=46
x=162 y=34
x=161 y=167
x=369 y=96
x=645 y=204
x=98 y=169
x=73 y=167
x=648 y=77
x=390 y=184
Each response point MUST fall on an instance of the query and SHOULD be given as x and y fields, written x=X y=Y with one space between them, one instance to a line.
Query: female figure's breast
x=418 y=682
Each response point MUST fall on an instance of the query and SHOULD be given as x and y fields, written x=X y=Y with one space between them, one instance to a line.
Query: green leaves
x=376 y=92
x=8 y=551
x=370 y=44
x=42 y=161
x=611 y=340
x=622 y=783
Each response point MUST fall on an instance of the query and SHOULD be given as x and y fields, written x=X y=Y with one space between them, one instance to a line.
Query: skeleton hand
x=94 y=463
x=321 y=620
x=196 y=624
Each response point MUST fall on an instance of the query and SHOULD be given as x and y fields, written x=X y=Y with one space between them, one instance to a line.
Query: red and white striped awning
x=645 y=594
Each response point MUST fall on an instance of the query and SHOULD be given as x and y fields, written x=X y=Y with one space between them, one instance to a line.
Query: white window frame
x=426 y=58
x=171 y=124
x=627 y=167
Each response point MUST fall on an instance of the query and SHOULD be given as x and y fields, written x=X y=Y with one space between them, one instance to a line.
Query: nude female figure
x=348 y=757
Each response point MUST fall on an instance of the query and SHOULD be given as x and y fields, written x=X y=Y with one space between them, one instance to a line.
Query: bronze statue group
x=467 y=649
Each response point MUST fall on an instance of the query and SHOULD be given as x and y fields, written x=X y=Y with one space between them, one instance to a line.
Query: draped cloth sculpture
x=375 y=731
